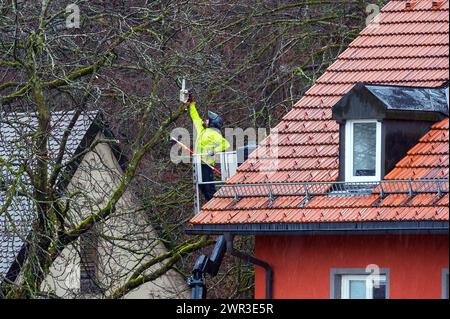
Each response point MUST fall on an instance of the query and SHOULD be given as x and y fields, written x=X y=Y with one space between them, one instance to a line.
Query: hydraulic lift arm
x=206 y=265
x=211 y=265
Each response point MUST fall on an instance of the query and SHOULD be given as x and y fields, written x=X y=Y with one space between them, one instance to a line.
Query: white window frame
x=345 y=284
x=349 y=177
x=445 y=284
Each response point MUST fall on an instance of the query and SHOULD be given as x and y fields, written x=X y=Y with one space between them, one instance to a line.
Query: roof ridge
x=54 y=114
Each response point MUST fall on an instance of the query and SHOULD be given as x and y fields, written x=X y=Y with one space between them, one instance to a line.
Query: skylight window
x=363 y=151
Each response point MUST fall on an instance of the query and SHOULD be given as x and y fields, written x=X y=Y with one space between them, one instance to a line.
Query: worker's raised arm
x=198 y=123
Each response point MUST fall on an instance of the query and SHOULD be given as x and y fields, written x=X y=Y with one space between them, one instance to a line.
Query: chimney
x=410 y=4
x=437 y=4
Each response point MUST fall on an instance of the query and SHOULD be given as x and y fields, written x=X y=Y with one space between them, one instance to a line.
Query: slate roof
x=411 y=99
x=14 y=132
x=13 y=234
x=392 y=102
x=403 y=47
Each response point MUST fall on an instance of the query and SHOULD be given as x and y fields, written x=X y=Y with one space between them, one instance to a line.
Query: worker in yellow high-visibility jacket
x=209 y=141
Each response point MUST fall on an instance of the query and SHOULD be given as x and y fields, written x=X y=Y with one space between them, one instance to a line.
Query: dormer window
x=380 y=123
x=363 y=150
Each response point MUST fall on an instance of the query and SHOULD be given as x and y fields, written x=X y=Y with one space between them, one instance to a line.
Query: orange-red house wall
x=302 y=264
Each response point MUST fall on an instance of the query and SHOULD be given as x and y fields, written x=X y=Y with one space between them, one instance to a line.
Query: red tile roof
x=408 y=47
x=428 y=159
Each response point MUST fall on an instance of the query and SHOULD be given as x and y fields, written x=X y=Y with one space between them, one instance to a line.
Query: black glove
x=191 y=98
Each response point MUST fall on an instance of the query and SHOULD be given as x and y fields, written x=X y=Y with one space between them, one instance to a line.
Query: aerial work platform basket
x=226 y=162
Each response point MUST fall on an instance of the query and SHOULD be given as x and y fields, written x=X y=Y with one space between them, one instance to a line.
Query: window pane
x=357 y=289
x=364 y=149
x=380 y=291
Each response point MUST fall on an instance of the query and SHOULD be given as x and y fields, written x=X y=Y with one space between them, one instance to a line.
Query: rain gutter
x=252 y=260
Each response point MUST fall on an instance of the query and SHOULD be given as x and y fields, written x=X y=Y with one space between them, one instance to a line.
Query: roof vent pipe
x=410 y=4
x=437 y=4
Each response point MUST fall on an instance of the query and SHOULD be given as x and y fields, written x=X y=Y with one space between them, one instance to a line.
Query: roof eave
x=329 y=228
